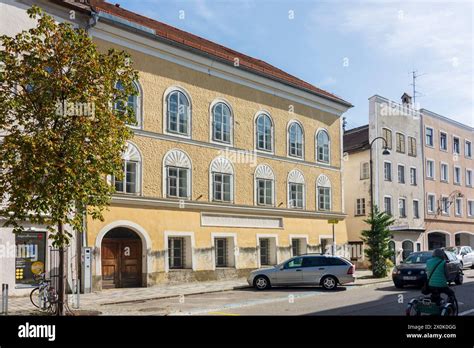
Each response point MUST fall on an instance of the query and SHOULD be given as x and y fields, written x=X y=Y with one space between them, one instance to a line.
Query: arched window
x=133 y=101
x=178 y=113
x=407 y=247
x=221 y=123
x=323 y=146
x=296 y=190
x=177 y=174
x=222 y=180
x=323 y=188
x=130 y=182
x=264 y=132
x=295 y=140
x=264 y=185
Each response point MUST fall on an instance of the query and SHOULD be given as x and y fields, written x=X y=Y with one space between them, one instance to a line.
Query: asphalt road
x=376 y=299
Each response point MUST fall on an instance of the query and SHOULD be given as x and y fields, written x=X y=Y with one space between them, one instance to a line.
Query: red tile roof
x=204 y=46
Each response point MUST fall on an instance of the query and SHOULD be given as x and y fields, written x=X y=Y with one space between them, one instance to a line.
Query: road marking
x=224 y=313
x=466 y=312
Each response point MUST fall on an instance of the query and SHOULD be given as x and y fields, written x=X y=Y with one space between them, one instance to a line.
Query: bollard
x=5 y=299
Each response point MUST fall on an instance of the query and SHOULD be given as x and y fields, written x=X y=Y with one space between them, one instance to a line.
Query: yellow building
x=234 y=164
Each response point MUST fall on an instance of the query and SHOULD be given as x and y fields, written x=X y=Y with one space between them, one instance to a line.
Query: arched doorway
x=436 y=240
x=407 y=247
x=121 y=256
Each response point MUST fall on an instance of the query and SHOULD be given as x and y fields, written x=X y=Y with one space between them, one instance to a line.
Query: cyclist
x=437 y=272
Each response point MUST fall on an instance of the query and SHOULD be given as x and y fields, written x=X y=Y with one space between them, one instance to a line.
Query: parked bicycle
x=45 y=296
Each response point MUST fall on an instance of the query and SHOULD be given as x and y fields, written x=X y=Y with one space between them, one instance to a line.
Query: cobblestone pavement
x=103 y=301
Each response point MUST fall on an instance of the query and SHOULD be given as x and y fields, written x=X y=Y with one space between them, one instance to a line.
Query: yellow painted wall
x=355 y=188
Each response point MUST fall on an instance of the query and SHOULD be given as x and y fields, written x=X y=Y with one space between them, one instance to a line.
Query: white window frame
x=166 y=94
x=428 y=211
x=469 y=174
x=361 y=212
x=443 y=178
x=404 y=200
x=364 y=175
x=170 y=234
x=265 y=172
x=317 y=146
x=296 y=177
x=466 y=141
x=221 y=165
x=272 y=132
x=454 y=175
x=298 y=237
x=470 y=213
x=447 y=141
x=323 y=182
x=456 y=205
x=391 y=205
x=267 y=235
x=177 y=158
x=433 y=167
x=432 y=136
x=403 y=172
x=139 y=107
x=211 y=122
x=132 y=154
x=459 y=142
x=441 y=203
x=414 y=182
x=416 y=216
x=384 y=171
x=235 y=251
x=288 y=127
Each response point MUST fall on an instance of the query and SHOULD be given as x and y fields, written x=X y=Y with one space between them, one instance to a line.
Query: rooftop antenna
x=415 y=92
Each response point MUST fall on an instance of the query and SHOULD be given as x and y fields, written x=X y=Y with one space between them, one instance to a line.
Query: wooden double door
x=121 y=263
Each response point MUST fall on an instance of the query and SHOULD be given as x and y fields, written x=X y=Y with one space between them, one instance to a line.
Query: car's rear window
x=418 y=258
x=334 y=261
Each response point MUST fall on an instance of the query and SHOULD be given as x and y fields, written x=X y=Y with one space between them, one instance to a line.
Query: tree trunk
x=61 y=292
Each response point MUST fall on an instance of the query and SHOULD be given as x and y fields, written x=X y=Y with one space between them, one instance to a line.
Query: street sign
x=333 y=221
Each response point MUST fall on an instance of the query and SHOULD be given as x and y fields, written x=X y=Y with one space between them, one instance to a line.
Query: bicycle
x=45 y=296
x=433 y=304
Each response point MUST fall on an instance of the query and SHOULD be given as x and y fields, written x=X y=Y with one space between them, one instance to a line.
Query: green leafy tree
x=376 y=240
x=62 y=133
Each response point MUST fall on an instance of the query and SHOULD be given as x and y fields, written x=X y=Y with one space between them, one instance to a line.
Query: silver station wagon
x=309 y=269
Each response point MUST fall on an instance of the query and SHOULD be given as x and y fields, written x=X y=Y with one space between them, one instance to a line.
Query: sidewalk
x=22 y=305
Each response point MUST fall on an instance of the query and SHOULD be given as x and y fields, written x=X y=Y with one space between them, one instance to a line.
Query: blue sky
x=354 y=49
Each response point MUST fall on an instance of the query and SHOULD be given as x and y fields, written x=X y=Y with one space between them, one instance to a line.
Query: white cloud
x=434 y=37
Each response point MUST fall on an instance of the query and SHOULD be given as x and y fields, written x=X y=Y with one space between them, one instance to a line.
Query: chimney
x=406 y=99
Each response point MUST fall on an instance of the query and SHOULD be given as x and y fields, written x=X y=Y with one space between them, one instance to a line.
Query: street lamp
x=385 y=152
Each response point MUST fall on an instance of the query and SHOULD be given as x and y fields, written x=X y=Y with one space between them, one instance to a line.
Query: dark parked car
x=412 y=271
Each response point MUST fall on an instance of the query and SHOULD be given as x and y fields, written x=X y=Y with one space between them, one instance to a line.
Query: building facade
x=234 y=164
x=448 y=181
x=397 y=177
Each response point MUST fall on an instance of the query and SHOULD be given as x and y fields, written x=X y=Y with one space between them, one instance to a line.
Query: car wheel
x=329 y=283
x=459 y=279
x=261 y=283
x=398 y=285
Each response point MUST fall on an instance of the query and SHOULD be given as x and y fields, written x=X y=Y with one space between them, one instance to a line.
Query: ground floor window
x=224 y=252
x=179 y=252
x=298 y=246
x=356 y=251
x=326 y=245
x=267 y=251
